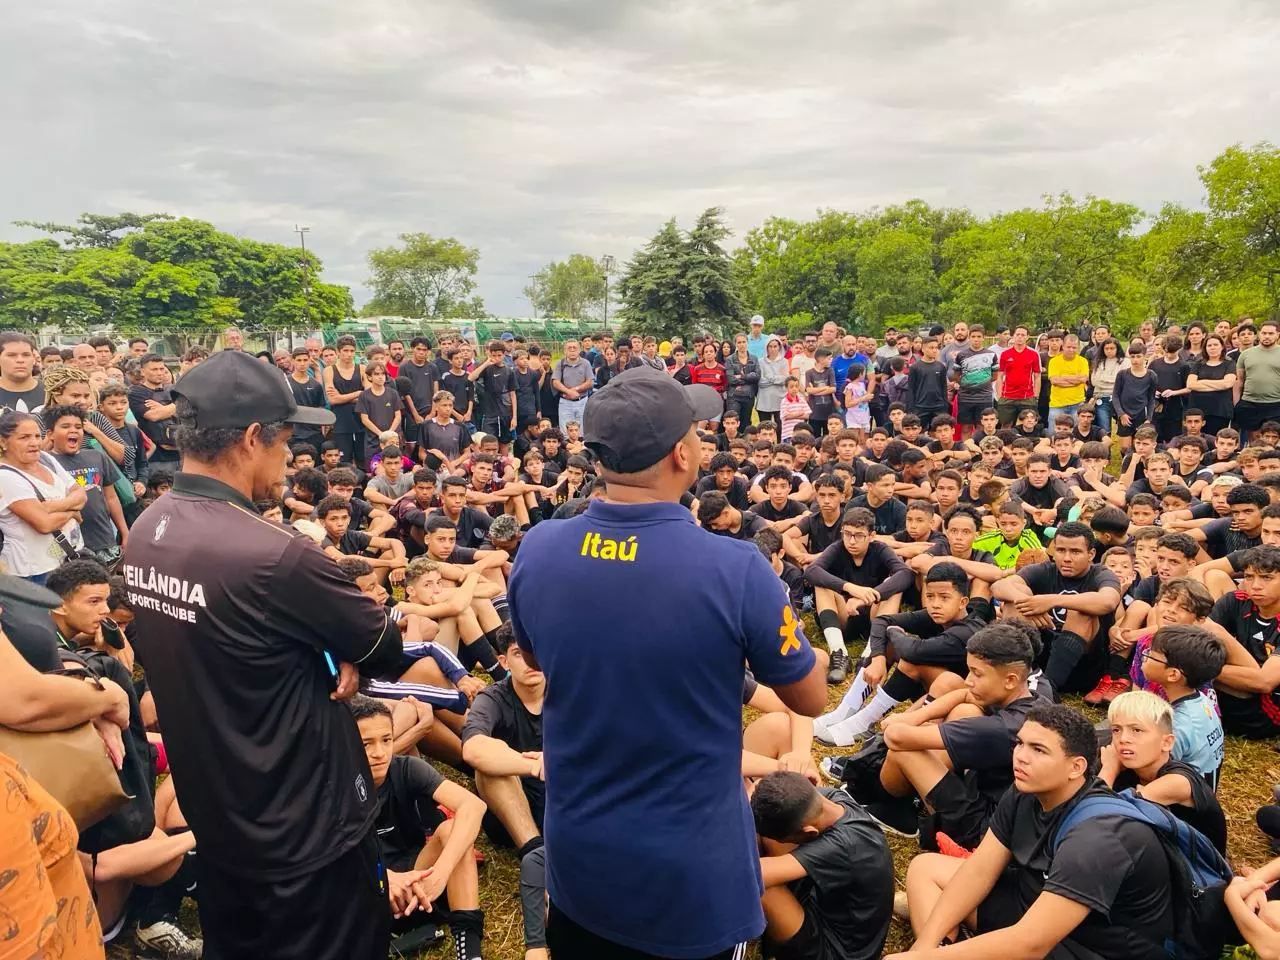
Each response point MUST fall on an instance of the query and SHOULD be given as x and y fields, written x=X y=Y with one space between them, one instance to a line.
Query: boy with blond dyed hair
x=1140 y=757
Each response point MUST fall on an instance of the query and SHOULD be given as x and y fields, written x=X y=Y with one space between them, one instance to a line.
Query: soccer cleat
x=832 y=769
x=1098 y=695
x=949 y=848
x=839 y=668
x=1116 y=688
x=166 y=939
x=898 y=817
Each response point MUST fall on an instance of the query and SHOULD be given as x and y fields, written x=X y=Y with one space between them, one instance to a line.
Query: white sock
x=847 y=731
x=835 y=638
x=851 y=702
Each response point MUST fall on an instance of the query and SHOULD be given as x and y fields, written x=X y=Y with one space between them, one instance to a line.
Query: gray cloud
x=534 y=128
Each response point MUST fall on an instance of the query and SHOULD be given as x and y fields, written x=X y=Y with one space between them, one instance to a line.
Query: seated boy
x=1140 y=757
x=853 y=581
x=1182 y=659
x=334 y=514
x=955 y=753
x=923 y=643
x=919 y=533
x=502 y=740
x=430 y=861
x=828 y=873
x=1011 y=538
x=1102 y=891
x=1248 y=621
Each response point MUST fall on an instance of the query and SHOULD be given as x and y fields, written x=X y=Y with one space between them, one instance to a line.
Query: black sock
x=481 y=651
x=1117 y=666
x=467 y=927
x=902 y=688
x=828 y=618
x=1064 y=653
x=158 y=903
x=529 y=847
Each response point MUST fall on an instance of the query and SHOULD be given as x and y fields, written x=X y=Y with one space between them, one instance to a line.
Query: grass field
x=1249 y=771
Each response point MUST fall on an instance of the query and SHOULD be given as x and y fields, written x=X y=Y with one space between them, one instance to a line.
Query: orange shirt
x=45 y=906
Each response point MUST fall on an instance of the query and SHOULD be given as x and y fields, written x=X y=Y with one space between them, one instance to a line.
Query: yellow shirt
x=1060 y=366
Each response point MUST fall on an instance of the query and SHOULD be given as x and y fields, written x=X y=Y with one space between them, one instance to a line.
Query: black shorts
x=535 y=793
x=947 y=652
x=970 y=414
x=1002 y=907
x=569 y=941
x=338 y=912
x=960 y=809
x=1249 y=717
x=1250 y=415
x=808 y=943
x=1122 y=430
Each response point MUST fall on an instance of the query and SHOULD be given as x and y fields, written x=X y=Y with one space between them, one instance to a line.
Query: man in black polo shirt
x=238 y=663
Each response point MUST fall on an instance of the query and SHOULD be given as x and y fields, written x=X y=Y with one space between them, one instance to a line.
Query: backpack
x=1198 y=874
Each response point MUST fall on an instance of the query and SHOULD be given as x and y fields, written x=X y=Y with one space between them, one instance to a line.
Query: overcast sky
x=533 y=129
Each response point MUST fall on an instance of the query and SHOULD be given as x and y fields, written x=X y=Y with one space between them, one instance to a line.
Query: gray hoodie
x=773 y=379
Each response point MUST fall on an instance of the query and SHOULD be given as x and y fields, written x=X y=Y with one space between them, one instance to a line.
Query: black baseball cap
x=639 y=416
x=233 y=389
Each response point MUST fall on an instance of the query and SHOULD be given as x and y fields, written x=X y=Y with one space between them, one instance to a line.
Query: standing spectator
x=774 y=372
x=649 y=355
x=152 y=408
x=1068 y=375
x=743 y=375
x=927 y=382
x=960 y=338
x=680 y=371
x=1104 y=368
x=1170 y=371
x=573 y=379
x=39 y=502
x=378 y=407
x=1257 y=389
x=1134 y=397
x=1019 y=384
x=757 y=341
x=424 y=379
x=820 y=389
x=309 y=392
x=497 y=390
x=1211 y=381
x=710 y=371
x=843 y=360
x=973 y=367
x=344 y=381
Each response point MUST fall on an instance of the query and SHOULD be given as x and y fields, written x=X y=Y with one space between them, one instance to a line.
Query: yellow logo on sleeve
x=789 y=631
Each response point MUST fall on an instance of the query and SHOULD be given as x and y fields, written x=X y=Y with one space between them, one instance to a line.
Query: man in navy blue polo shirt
x=650 y=845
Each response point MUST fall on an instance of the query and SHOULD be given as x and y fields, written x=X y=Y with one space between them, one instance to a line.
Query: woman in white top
x=1102 y=376
x=37 y=499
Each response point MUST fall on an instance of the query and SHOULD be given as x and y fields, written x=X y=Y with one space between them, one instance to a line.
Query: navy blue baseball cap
x=639 y=416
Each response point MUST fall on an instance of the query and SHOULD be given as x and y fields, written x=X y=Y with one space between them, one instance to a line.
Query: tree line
x=1066 y=262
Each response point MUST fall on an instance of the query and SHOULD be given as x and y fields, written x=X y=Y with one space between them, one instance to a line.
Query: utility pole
x=306 y=281
x=607 y=264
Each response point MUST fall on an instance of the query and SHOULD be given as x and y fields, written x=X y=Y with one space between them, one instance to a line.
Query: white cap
x=757 y=321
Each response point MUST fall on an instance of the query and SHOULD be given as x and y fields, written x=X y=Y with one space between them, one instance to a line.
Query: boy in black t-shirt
x=955 y=753
x=1248 y=621
x=889 y=512
x=427 y=857
x=827 y=870
x=1073 y=601
x=384 y=554
x=854 y=580
x=779 y=510
x=1100 y=892
x=922 y=643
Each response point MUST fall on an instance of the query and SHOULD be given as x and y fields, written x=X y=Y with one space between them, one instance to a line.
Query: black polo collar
x=195 y=485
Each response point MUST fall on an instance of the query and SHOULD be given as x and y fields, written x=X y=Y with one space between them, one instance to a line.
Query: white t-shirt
x=28 y=553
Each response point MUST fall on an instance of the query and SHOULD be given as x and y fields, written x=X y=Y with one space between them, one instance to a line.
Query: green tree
x=787 y=268
x=682 y=281
x=895 y=277
x=1056 y=266
x=97 y=229
x=1243 y=195
x=568 y=288
x=428 y=277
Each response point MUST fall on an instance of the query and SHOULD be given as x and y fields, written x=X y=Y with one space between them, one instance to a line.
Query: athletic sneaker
x=164 y=938
x=949 y=848
x=832 y=769
x=839 y=667
x=898 y=817
x=1098 y=695
x=1118 y=686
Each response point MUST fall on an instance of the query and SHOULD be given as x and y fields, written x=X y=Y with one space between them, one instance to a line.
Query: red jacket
x=714 y=377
